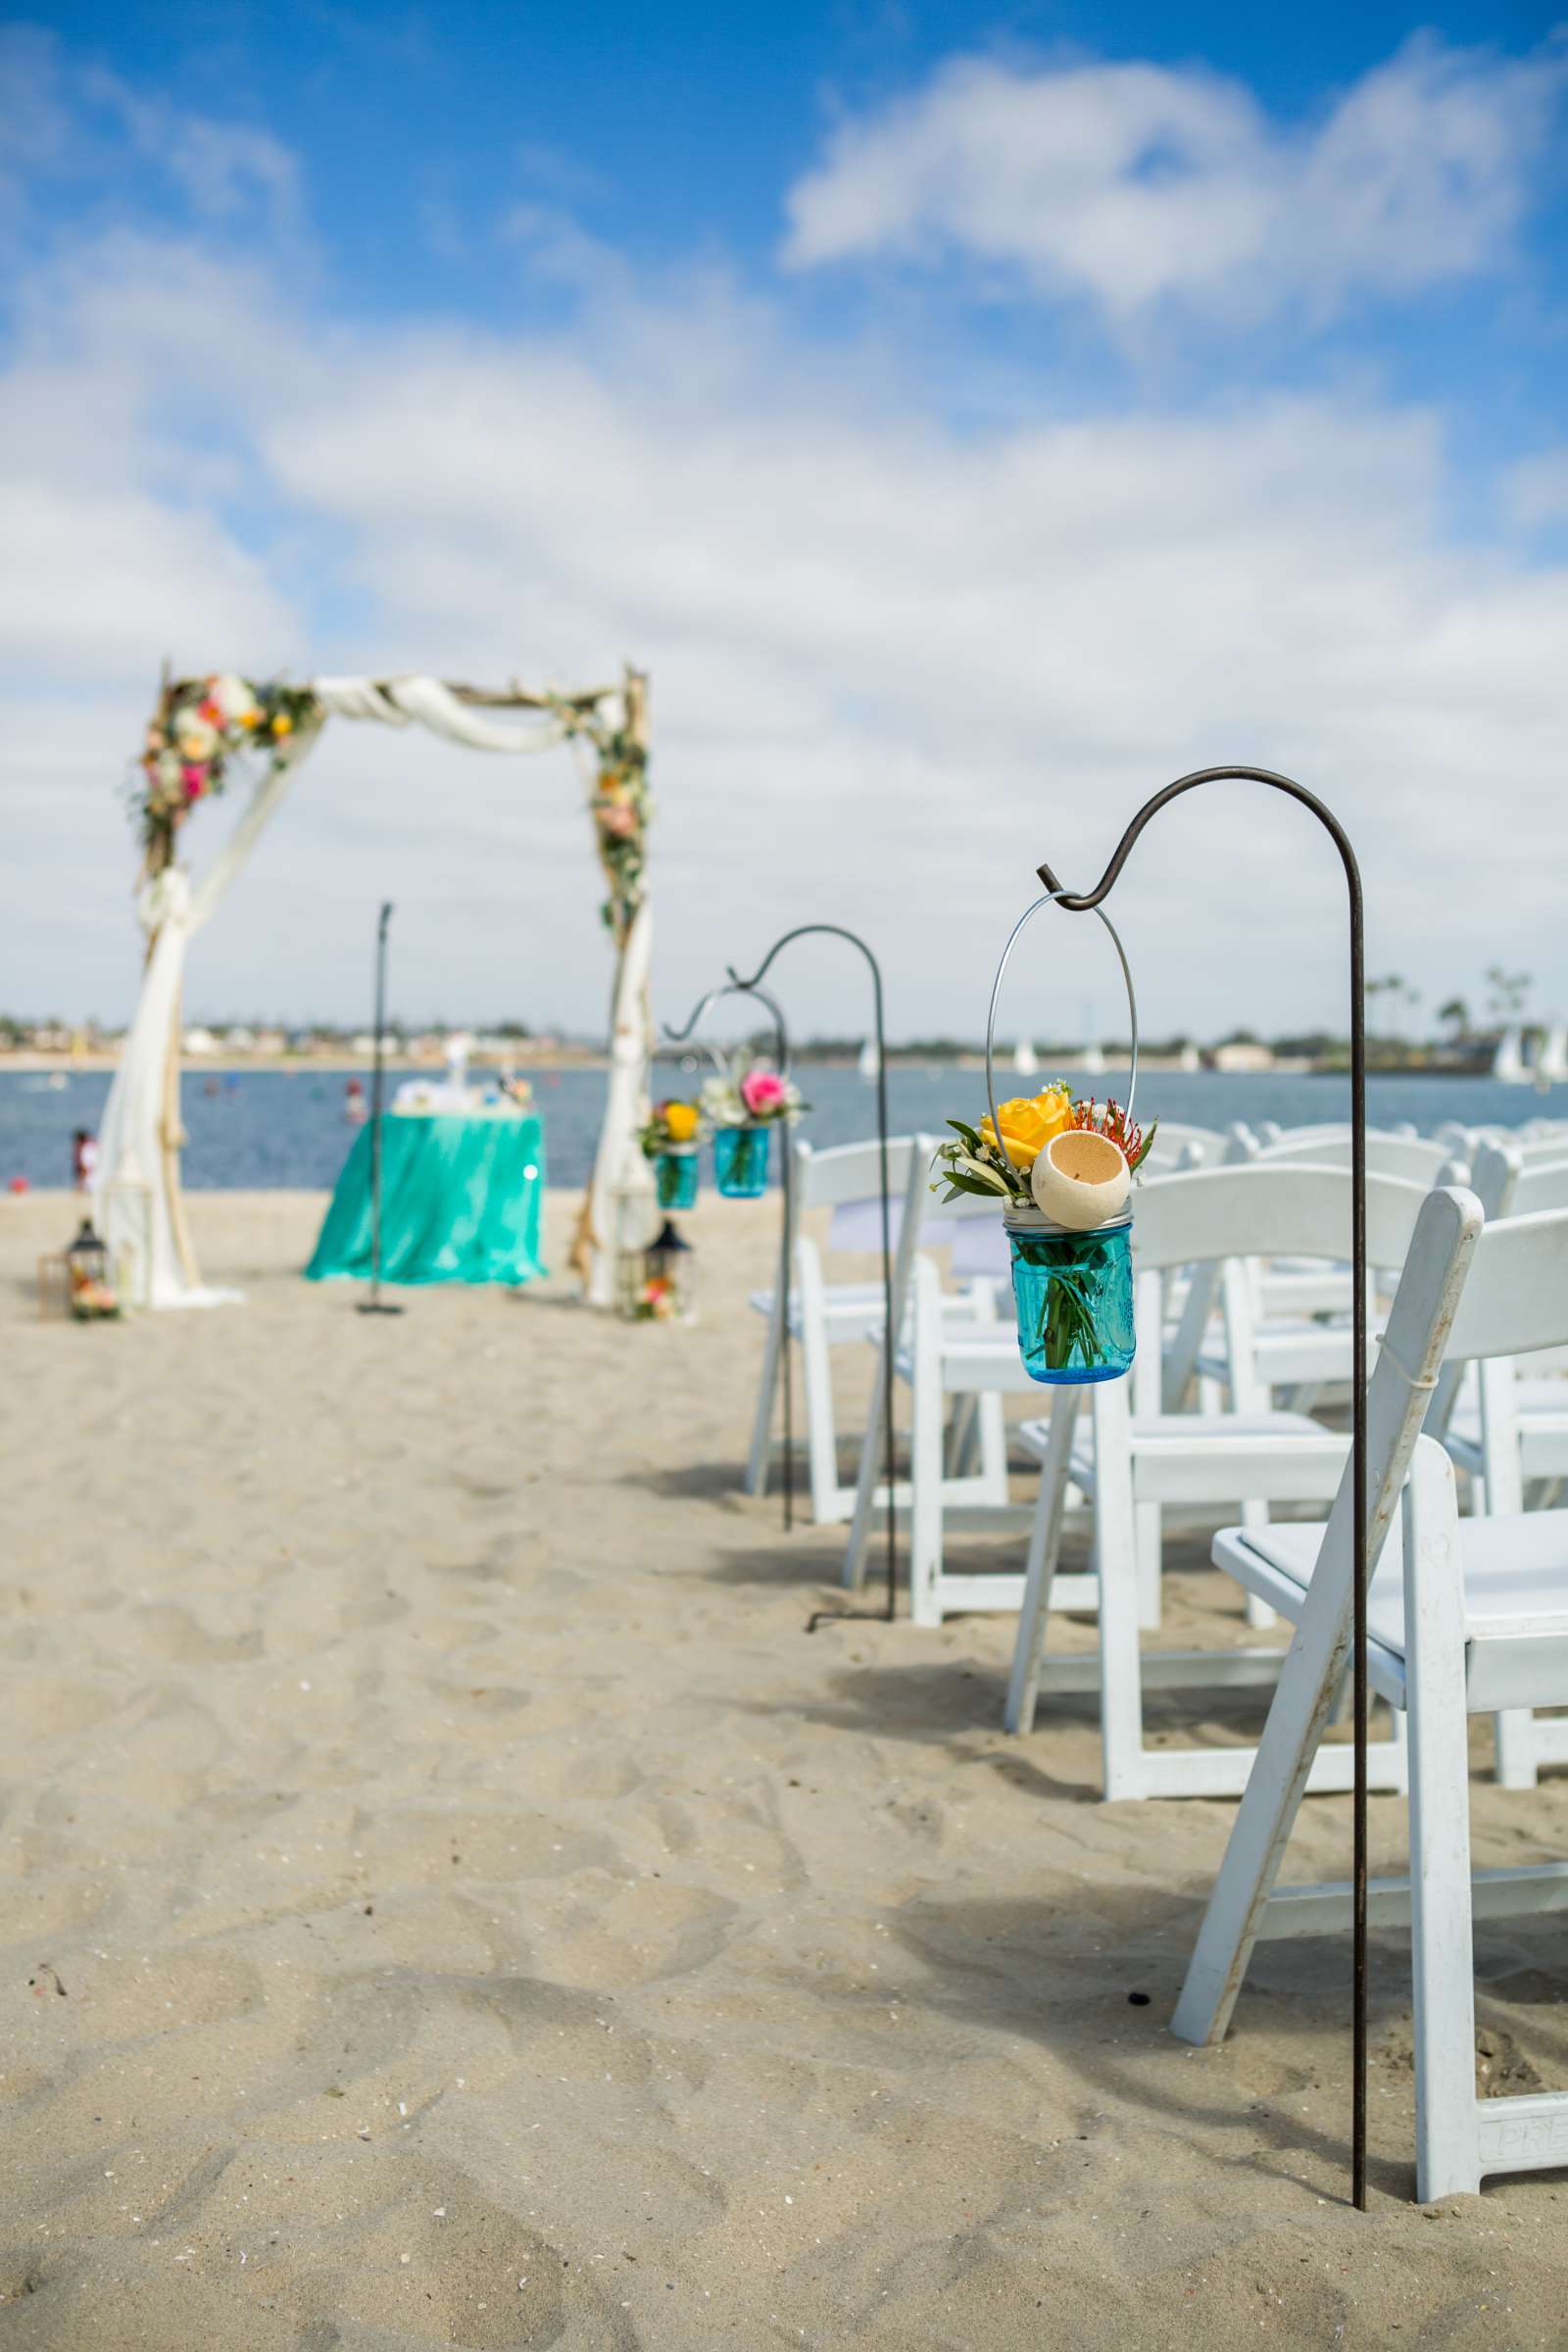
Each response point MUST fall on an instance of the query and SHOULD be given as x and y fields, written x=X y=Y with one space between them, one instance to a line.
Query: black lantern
x=668 y=1288
x=87 y=1276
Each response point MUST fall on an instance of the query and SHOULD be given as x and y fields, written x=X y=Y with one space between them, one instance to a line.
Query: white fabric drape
x=172 y=910
x=130 y=1134
x=395 y=701
x=616 y=1162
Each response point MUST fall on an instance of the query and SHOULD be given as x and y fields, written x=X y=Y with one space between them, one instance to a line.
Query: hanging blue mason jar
x=740 y=1160
x=675 y=1176
x=1073 y=1294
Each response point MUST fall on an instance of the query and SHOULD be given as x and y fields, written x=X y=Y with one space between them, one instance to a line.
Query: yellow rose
x=282 y=725
x=1028 y=1123
x=681 y=1120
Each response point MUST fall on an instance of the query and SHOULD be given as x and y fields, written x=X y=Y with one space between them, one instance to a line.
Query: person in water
x=355 y=1107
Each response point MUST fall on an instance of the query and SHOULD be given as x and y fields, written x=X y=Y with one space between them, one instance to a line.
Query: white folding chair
x=1506 y=1425
x=1472 y=1619
x=1136 y=1459
x=825 y=1314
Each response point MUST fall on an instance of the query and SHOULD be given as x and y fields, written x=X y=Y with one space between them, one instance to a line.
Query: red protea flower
x=1112 y=1121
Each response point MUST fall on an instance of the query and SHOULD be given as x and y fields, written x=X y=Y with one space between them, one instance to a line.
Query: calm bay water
x=256 y=1130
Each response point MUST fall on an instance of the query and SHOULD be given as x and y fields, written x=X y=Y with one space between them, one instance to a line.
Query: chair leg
x=1121 y=1690
x=1254 y=1514
x=1514 y=1731
x=816 y=1378
x=853 y=1572
x=925 y=1495
x=1441 y=1929
x=757 y=1465
x=1044 y=1547
x=1303 y=1698
x=1151 y=1557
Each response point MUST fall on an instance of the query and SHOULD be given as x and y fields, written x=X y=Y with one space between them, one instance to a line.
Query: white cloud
x=1135 y=186
x=893 y=663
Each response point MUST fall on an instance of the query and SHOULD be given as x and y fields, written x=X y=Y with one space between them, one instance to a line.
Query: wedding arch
x=203 y=733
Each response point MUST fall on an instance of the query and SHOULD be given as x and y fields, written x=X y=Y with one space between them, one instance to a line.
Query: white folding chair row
x=1135 y=1459
x=1472 y=1618
x=1506 y=1424
x=1293 y=1352
x=824 y=1314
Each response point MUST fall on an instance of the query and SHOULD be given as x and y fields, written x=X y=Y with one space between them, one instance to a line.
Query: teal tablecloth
x=461 y=1200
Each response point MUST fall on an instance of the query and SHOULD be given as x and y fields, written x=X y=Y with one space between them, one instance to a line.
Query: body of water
x=256 y=1130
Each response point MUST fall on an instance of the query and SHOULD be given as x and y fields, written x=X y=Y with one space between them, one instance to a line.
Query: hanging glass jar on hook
x=1061 y=1171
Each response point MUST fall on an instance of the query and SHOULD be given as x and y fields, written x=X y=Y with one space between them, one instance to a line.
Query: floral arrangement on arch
x=1029 y=1123
x=760 y=1099
x=670 y=1125
x=621 y=807
x=198 y=726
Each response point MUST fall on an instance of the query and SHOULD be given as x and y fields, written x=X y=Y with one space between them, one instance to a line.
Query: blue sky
x=964 y=411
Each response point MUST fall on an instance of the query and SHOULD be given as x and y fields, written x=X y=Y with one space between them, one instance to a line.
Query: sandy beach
x=449 y=1899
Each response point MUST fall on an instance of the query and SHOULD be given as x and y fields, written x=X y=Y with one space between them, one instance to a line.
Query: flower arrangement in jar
x=671 y=1140
x=742 y=1114
x=1061 y=1170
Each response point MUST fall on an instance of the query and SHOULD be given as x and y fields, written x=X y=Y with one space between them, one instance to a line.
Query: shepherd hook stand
x=781 y=1046
x=1086 y=903
x=838 y=931
x=375 y=1304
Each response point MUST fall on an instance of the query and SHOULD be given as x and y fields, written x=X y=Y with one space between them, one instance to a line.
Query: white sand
x=485 y=1918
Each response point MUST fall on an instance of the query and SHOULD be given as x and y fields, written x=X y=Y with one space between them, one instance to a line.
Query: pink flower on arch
x=195 y=781
x=762 y=1092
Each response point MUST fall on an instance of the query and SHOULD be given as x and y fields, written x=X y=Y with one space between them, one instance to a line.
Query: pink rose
x=761 y=1091
x=195 y=780
x=618 y=821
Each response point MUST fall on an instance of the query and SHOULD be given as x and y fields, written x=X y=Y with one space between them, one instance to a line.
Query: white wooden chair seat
x=1515 y=1574
x=1183 y=1457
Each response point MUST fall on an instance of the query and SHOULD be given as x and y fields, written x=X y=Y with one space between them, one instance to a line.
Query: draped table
x=461 y=1202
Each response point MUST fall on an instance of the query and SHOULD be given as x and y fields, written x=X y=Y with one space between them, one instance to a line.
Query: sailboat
x=1092 y=1062
x=1551 y=1063
x=1509 y=1062
x=1025 y=1060
x=1189 y=1058
x=868 y=1064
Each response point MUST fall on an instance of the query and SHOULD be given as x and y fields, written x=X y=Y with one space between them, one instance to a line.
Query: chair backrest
x=1175 y=1140
x=1469 y=1291
x=1516 y=1300
x=1263 y=1209
x=1418 y=1158
x=853 y=1171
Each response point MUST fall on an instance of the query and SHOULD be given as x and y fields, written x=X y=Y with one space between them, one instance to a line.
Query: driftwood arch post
x=206 y=730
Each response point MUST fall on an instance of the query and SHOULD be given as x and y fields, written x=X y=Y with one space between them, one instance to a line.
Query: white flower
x=232 y=696
x=195 y=739
x=168 y=770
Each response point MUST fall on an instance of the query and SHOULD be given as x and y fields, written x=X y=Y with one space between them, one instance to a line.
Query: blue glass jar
x=675 y=1176
x=1073 y=1294
x=740 y=1160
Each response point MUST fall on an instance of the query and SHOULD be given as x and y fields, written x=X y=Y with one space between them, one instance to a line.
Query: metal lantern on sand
x=89 y=1295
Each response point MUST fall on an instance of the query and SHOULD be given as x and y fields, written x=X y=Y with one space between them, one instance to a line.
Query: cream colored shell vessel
x=1081 y=1180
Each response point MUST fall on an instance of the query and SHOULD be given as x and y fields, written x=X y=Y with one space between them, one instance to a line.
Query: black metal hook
x=749 y=987
x=1084 y=904
x=841 y=931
